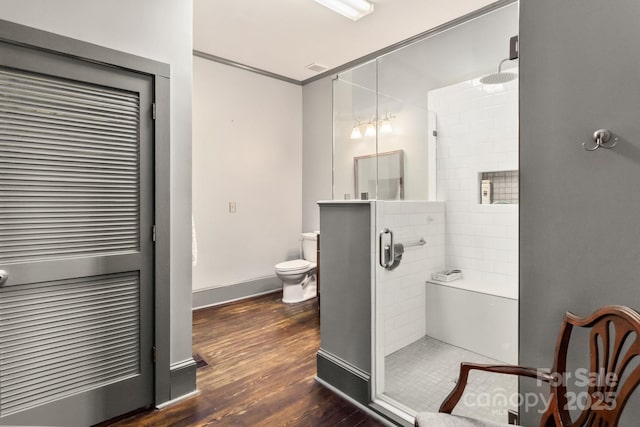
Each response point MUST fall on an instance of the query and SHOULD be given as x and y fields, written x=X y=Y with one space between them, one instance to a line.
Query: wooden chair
x=614 y=341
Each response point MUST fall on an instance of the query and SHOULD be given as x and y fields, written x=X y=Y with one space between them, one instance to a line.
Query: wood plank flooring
x=261 y=357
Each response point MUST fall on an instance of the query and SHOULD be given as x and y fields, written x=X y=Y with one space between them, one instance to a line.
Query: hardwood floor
x=261 y=357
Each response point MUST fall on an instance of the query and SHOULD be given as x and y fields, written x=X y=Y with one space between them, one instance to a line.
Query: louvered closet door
x=76 y=200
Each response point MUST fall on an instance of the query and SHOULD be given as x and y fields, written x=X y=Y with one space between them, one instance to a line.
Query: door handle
x=3 y=277
x=384 y=263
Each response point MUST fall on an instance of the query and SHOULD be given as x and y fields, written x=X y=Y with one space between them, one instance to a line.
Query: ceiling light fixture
x=352 y=9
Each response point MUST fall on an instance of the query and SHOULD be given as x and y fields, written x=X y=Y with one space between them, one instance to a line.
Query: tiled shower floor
x=423 y=373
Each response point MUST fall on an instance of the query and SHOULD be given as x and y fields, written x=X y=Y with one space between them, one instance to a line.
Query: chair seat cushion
x=437 y=419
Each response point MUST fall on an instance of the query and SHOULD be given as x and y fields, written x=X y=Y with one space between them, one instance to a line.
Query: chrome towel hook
x=600 y=138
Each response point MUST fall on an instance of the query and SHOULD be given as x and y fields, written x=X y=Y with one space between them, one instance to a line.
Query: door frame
x=16 y=34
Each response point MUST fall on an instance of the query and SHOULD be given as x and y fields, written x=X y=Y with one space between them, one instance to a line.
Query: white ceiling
x=283 y=36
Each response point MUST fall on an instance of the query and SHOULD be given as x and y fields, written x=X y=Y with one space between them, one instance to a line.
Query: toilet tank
x=309 y=246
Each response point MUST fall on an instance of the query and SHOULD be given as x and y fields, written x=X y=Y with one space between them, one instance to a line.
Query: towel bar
x=420 y=242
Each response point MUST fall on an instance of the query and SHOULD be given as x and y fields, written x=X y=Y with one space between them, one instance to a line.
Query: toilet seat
x=294 y=266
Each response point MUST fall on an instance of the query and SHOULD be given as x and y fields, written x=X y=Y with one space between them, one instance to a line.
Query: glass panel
x=354 y=112
x=403 y=126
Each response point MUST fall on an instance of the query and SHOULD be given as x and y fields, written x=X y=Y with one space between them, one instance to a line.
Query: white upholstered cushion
x=437 y=419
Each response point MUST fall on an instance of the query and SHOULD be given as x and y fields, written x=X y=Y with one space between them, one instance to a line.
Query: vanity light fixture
x=370 y=130
x=352 y=9
x=355 y=132
x=384 y=125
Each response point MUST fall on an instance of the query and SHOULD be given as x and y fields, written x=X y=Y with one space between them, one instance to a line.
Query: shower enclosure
x=435 y=151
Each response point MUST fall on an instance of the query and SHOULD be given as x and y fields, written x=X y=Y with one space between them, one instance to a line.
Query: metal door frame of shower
x=39 y=40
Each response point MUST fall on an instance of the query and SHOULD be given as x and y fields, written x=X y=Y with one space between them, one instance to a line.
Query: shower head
x=499 y=77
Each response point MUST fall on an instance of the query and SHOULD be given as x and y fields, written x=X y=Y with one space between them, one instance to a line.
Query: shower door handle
x=385 y=263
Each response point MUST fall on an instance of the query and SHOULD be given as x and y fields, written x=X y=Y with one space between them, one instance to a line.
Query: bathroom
x=430 y=148
x=267 y=234
x=263 y=158
x=445 y=128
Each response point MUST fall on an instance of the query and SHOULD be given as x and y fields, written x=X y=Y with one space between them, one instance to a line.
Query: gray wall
x=317 y=149
x=580 y=238
x=345 y=274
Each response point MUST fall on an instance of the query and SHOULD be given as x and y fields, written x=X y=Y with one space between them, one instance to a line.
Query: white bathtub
x=478 y=317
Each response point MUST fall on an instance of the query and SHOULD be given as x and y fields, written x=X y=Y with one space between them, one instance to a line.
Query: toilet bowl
x=298 y=275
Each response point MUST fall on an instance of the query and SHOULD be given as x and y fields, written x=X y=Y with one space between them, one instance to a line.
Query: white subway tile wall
x=477 y=132
x=403 y=290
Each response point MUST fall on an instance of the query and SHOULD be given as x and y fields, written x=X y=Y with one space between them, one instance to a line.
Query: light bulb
x=386 y=127
x=370 y=130
x=355 y=133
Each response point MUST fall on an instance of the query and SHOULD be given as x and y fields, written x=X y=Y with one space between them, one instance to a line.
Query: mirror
x=390 y=176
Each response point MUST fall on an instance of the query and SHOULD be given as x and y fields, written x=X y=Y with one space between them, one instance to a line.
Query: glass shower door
x=453 y=132
x=407 y=130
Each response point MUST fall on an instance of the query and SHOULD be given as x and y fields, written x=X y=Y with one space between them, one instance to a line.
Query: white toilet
x=299 y=275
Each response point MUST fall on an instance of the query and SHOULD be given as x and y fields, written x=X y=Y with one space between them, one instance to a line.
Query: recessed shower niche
x=498 y=188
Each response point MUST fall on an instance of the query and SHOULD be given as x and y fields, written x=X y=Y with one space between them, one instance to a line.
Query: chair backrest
x=614 y=343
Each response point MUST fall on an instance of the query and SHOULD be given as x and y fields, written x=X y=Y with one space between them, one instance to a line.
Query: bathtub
x=479 y=317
